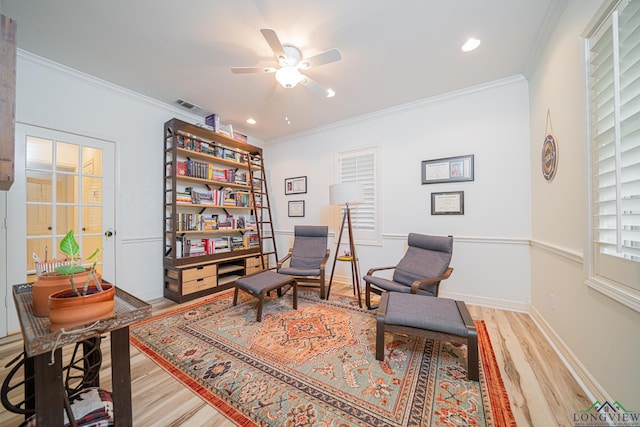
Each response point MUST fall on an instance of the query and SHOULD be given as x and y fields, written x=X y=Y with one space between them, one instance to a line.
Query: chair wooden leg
x=260 y=302
x=380 y=338
x=473 y=368
x=235 y=296
x=295 y=295
x=367 y=296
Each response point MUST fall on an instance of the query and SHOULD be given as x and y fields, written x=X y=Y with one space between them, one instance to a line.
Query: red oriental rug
x=316 y=366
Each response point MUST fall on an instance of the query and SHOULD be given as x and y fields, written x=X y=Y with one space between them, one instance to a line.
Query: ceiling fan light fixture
x=288 y=76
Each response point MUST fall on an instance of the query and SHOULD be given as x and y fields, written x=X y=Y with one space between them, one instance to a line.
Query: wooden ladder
x=262 y=205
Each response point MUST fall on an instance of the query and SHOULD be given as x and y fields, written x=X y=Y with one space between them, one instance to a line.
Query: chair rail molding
x=569 y=254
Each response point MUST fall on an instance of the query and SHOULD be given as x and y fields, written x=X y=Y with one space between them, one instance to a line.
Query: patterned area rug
x=316 y=366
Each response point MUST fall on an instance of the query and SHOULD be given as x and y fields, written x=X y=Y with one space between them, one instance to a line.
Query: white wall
x=491 y=246
x=54 y=96
x=597 y=335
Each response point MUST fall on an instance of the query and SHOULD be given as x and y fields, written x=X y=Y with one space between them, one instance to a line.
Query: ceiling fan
x=290 y=63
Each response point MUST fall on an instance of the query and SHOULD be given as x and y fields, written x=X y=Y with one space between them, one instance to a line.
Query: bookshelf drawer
x=191 y=286
x=201 y=272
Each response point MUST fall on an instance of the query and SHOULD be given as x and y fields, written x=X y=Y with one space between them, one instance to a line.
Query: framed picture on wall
x=448 y=169
x=449 y=203
x=297 y=185
x=296 y=208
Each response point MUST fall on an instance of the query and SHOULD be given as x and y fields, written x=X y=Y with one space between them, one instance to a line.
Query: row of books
x=205 y=170
x=188 y=247
x=215 y=197
x=192 y=144
x=210 y=222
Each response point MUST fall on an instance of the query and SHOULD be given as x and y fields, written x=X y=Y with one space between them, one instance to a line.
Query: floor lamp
x=346 y=194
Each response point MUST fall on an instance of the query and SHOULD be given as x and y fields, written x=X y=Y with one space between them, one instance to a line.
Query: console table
x=40 y=342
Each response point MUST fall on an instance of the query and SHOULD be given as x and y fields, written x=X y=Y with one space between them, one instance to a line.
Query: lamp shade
x=346 y=193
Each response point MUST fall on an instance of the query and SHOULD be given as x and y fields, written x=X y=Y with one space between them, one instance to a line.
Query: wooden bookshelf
x=198 y=259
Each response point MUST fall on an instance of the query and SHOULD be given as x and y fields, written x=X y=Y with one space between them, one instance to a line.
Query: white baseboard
x=518 y=306
x=587 y=382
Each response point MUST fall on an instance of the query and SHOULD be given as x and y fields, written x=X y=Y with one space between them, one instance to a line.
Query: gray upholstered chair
x=420 y=271
x=308 y=256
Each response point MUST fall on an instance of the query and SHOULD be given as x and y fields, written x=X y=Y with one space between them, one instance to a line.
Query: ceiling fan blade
x=332 y=55
x=242 y=70
x=316 y=87
x=274 y=42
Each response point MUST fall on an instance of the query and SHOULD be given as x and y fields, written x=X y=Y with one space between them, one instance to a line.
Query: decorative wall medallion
x=549 y=157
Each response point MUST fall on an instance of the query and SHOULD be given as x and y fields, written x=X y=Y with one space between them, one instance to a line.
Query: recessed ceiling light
x=470 y=45
x=330 y=93
x=251 y=121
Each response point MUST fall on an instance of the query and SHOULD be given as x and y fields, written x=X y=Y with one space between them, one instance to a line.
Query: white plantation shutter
x=362 y=166
x=614 y=80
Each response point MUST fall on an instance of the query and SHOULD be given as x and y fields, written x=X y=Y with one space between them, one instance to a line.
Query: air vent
x=188 y=105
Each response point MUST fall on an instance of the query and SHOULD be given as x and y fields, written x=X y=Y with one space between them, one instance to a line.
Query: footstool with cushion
x=261 y=283
x=429 y=317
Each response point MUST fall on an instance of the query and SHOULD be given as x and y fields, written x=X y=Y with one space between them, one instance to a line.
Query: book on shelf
x=249 y=221
x=226 y=130
x=230 y=154
x=221 y=244
x=251 y=239
x=239 y=136
x=225 y=222
x=209 y=222
x=240 y=222
x=213 y=120
x=181 y=168
x=229 y=198
x=183 y=197
x=237 y=243
x=240 y=177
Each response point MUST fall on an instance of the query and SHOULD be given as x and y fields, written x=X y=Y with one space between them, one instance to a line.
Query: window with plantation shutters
x=614 y=82
x=362 y=166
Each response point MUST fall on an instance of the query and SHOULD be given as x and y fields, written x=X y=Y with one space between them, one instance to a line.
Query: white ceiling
x=393 y=52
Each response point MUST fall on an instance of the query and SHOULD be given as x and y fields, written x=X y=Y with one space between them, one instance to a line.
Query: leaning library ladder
x=262 y=205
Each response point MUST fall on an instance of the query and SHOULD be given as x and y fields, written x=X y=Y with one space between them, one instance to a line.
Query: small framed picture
x=297 y=185
x=450 y=169
x=296 y=208
x=449 y=203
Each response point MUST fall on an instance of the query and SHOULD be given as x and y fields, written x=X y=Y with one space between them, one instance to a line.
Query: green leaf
x=93 y=254
x=69 y=246
x=69 y=269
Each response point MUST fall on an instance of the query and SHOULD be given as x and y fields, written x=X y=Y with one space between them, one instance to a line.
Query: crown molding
x=72 y=73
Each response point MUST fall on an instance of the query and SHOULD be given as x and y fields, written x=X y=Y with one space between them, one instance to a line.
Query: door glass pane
x=40 y=247
x=91 y=220
x=39 y=186
x=67 y=157
x=92 y=190
x=39 y=153
x=66 y=188
x=39 y=220
x=66 y=218
x=89 y=245
x=91 y=161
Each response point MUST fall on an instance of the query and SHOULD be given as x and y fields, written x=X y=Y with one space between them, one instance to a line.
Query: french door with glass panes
x=63 y=182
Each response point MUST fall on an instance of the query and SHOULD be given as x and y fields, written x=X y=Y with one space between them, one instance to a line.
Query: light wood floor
x=541 y=390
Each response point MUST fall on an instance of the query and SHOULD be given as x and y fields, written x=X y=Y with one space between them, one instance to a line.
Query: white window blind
x=614 y=81
x=362 y=166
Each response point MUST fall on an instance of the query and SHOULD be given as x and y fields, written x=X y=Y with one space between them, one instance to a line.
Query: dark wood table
x=40 y=342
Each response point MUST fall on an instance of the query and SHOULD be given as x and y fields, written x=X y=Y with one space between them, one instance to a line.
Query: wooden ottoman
x=430 y=317
x=263 y=282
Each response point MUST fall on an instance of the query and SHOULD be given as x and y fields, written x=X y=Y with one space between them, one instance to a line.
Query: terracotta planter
x=54 y=282
x=67 y=309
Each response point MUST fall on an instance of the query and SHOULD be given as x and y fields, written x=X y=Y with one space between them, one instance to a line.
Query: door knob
x=108 y=233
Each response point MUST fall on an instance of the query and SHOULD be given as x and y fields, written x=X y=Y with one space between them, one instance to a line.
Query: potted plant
x=73 y=294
